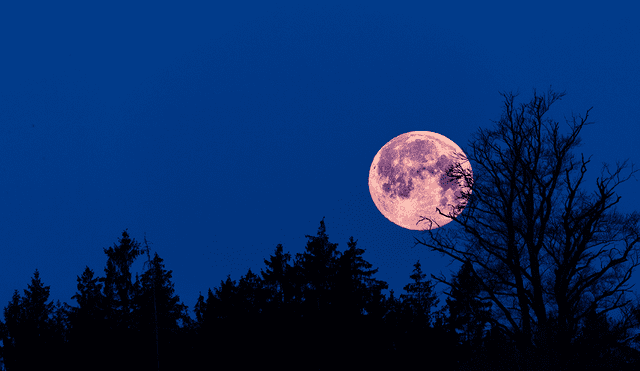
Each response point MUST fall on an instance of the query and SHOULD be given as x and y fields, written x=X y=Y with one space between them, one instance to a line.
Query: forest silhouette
x=324 y=309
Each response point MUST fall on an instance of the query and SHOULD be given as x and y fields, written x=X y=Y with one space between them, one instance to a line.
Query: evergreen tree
x=199 y=309
x=118 y=292
x=252 y=295
x=357 y=292
x=158 y=307
x=319 y=265
x=118 y=286
x=33 y=336
x=87 y=321
x=275 y=278
x=203 y=332
x=171 y=312
x=231 y=322
x=358 y=310
x=393 y=326
x=35 y=307
x=222 y=304
x=89 y=296
x=210 y=314
x=14 y=334
x=419 y=299
x=415 y=339
x=59 y=325
x=468 y=314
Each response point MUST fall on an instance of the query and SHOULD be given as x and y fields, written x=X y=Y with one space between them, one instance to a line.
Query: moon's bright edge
x=408 y=180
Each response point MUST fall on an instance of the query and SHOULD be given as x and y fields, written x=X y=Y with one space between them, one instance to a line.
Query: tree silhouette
x=413 y=337
x=231 y=321
x=326 y=309
x=319 y=264
x=275 y=278
x=419 y=299
x=118 y=292
x=357 y=309
x=202 y=332
x=13 y=333
x=158 y=308
x=540 y=246
x=223 y=304
x=88 y=322
x=467 y=313
x=155 y=307
x=252 y=295
x=33 y=336
x=393 y=324
x=118 y=286
x=357 y=292
x=199 y=308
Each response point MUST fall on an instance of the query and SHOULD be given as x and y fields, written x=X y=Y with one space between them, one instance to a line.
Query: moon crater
x=409 y=179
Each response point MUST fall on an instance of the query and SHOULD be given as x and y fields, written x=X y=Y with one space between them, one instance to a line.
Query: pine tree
x=209 y=313
x=252 y=294
x=224 y=304
x=199 y=309
x=358 y=309
x=59 y=326
x=467 y=313
x=319 y=264
x=89 y=296
x=118 y=286
x=14 y=334
x=87 y=321
x=357 y=292
x=203 y=334
x=285 y=282
x=158 y=308
x=118 y=291
x=414 y=338
x=31 y=335
x=419 y=299
x=393 y=327
x=275 y=278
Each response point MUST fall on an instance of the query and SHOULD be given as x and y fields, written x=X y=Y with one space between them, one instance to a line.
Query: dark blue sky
x=223 y=131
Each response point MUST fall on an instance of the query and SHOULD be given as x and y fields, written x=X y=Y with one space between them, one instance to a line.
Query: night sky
x=223 y=131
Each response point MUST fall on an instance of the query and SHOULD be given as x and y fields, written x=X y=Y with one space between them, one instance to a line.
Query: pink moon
x=408 y=180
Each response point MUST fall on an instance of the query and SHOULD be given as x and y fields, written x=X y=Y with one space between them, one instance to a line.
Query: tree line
x=544 y=266
x=322 y=310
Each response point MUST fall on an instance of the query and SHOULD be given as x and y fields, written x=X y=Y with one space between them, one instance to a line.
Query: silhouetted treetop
x=467 y=312
x=89 y=295
x=117 y=281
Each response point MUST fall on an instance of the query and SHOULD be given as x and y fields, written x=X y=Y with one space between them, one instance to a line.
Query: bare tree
x=543 y=250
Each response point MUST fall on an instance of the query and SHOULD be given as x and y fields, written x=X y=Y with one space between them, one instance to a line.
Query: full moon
x=408 y=180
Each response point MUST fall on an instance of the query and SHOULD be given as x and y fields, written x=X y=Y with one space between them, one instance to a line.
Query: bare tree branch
x=540 y=246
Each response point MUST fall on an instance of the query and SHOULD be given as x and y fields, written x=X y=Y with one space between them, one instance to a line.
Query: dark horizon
x=322 y=307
